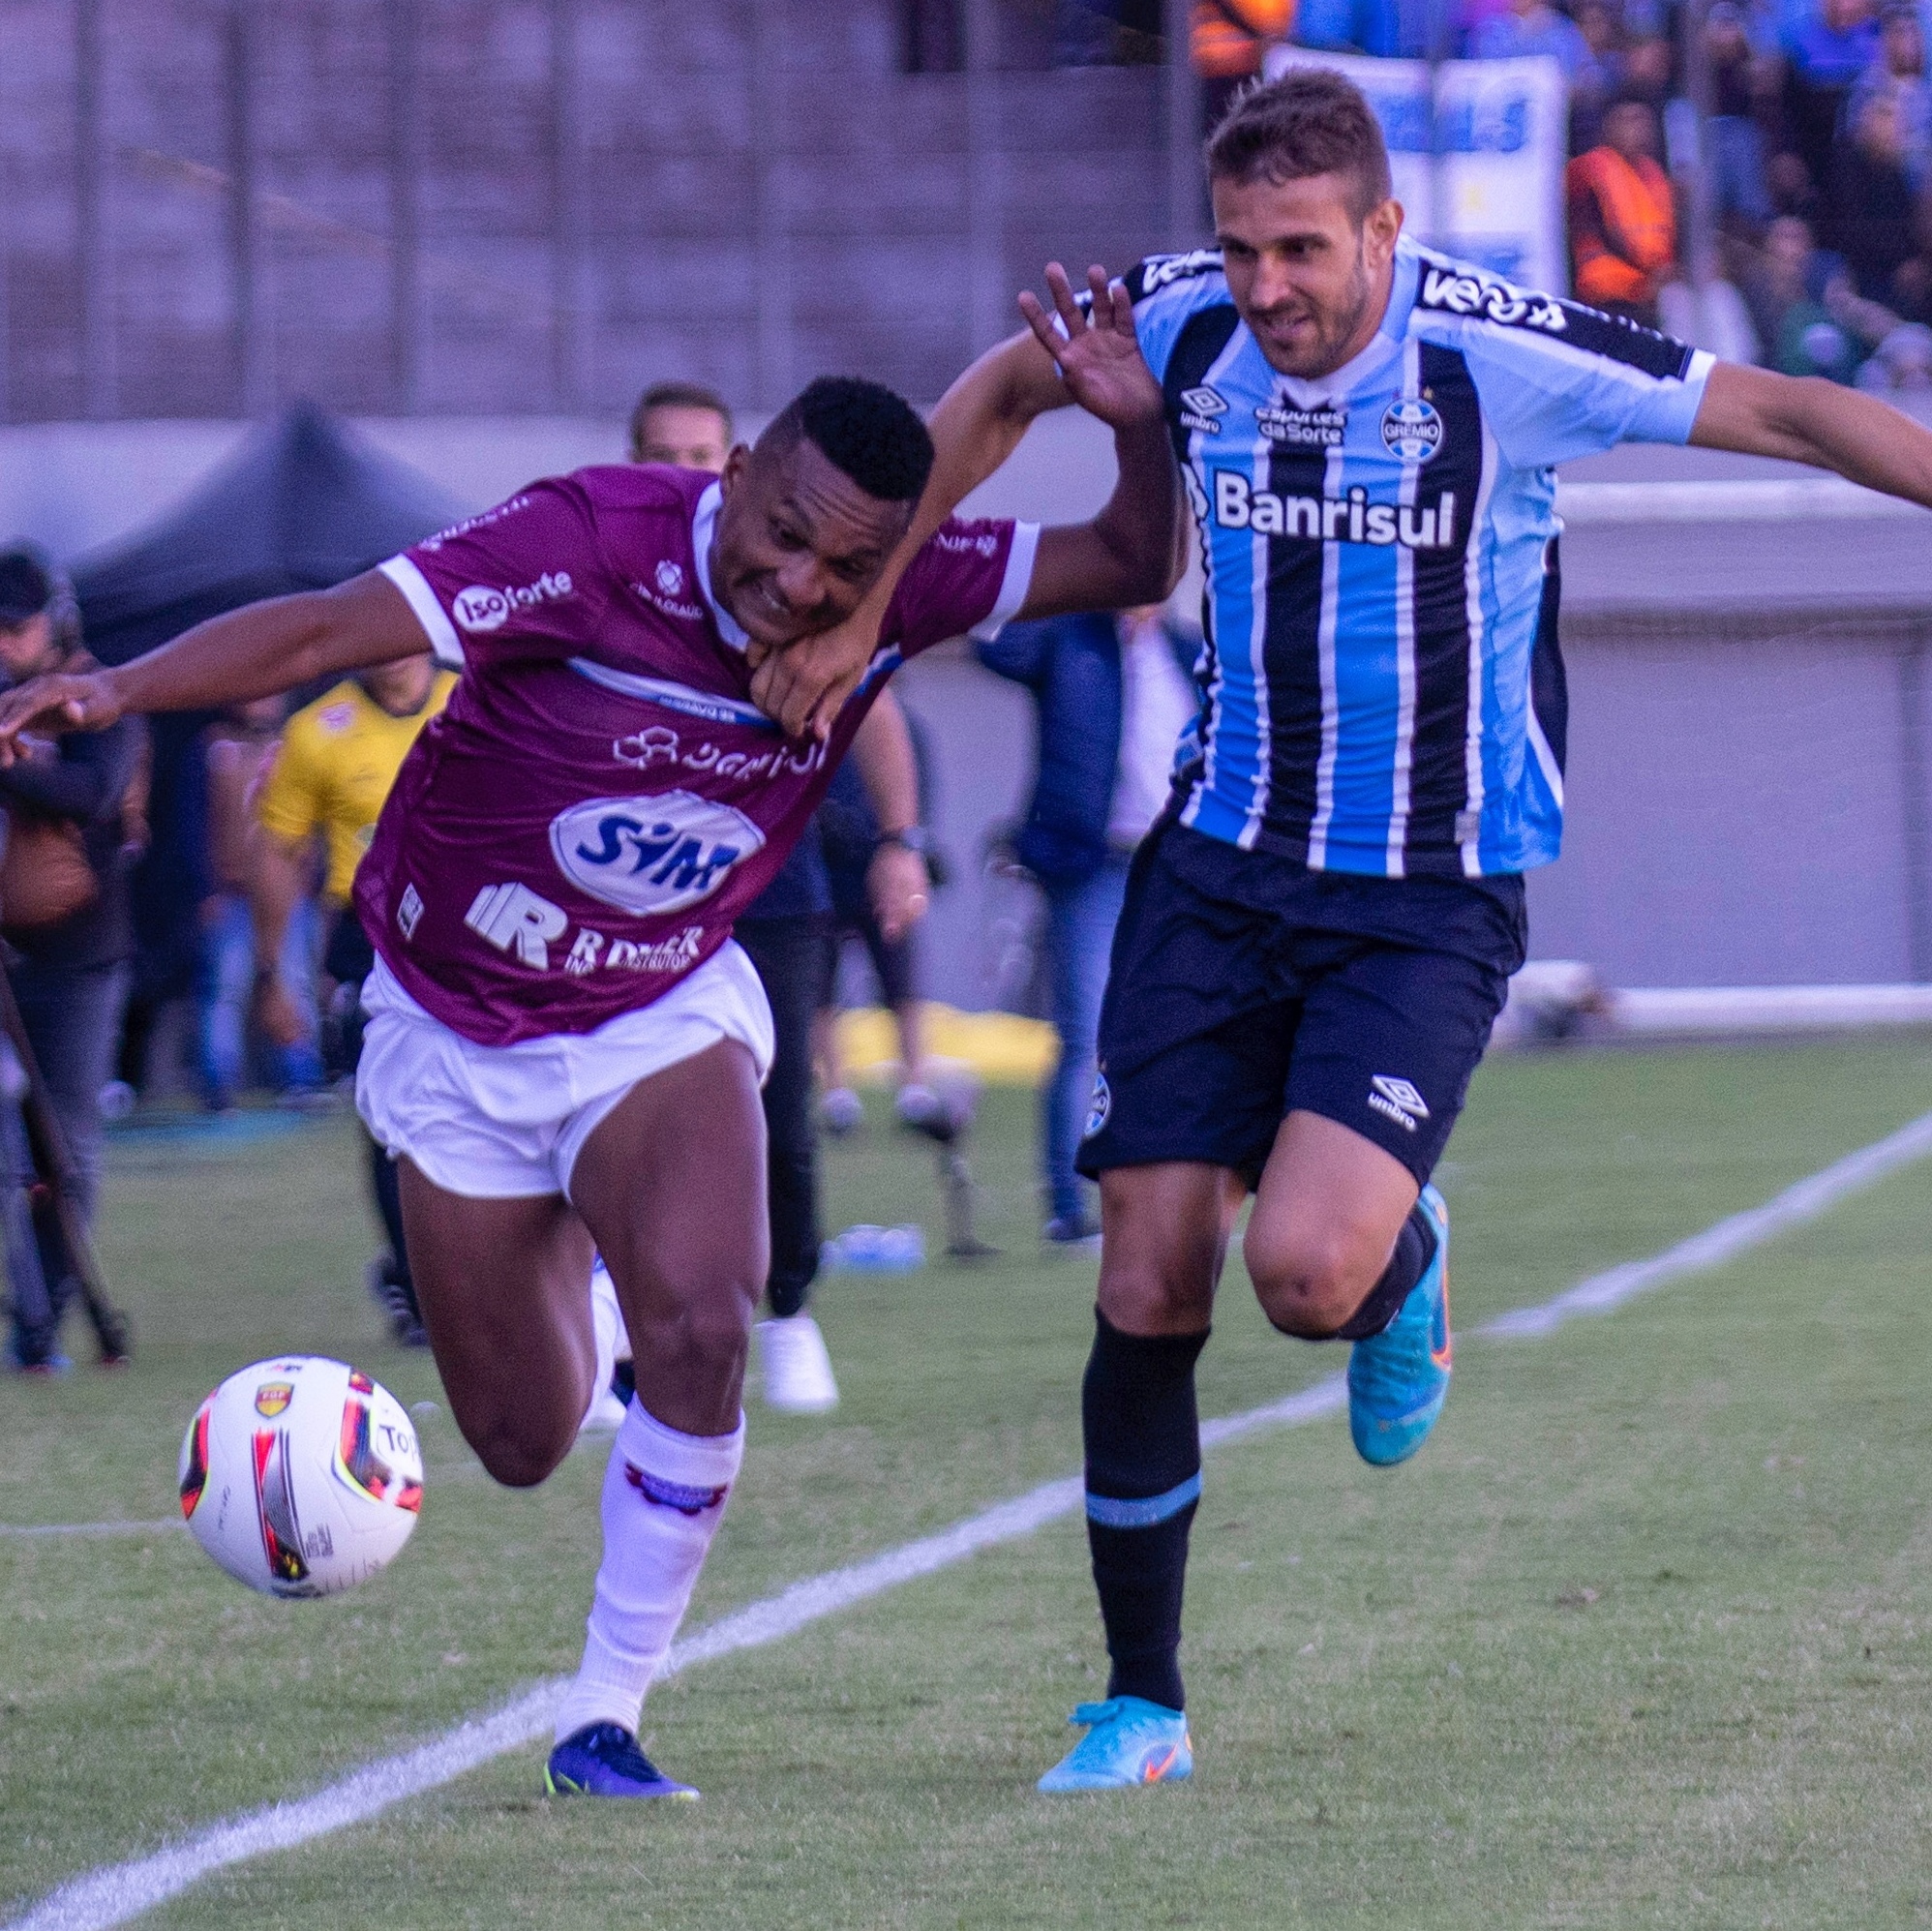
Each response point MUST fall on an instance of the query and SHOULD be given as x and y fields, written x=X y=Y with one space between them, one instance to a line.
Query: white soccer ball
x=301 y=1477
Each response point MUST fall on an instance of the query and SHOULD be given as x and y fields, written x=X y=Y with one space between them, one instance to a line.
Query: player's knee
x=707 y=1335
x=1311 y=1288
x=1151 y=1293
x=521 y=1452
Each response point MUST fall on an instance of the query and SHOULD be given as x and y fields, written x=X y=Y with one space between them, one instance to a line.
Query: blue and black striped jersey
x=1381 y=686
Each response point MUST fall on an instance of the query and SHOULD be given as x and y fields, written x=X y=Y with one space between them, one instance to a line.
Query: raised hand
x=49 y=705
x=804 y=686
x=1099 y=356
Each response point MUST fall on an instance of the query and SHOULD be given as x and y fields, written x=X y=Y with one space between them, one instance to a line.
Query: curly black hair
x=863 y=429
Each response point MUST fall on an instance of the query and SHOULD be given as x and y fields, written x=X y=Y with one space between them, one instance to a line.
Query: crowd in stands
x=1806 y=126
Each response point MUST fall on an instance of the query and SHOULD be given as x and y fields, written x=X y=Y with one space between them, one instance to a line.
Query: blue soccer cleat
x=1128 y=1742
x=1399 y=1378
x=603 y=1760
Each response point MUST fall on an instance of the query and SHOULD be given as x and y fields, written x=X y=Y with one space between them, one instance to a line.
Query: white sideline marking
x=91 y=1527
x=118 y=1892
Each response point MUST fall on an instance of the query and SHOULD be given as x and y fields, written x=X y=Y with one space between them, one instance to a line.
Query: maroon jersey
x=600 y=797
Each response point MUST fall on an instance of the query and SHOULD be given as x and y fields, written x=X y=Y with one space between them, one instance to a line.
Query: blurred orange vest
x=1229 y=35
x=1623 y=227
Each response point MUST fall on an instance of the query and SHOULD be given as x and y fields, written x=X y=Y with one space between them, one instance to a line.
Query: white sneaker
x=842 y=1111
x=798 y=1369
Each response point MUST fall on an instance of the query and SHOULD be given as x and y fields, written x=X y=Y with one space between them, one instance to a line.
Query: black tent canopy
x=303 y=503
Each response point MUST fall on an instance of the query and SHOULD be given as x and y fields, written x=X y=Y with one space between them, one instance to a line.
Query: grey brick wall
x=490 y=207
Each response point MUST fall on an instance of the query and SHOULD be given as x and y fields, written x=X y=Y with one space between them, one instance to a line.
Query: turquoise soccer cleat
x=603 y=1760
x=1399 y=1378
x=1128 y=1742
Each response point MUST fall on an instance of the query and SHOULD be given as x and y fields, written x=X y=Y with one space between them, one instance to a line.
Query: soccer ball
x=301 y=1477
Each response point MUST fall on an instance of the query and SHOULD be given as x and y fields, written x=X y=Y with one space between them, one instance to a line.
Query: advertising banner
x=1501 y=140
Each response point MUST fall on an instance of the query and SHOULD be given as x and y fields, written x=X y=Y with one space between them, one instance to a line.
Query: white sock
x=607 y=1324
x=664 y=1496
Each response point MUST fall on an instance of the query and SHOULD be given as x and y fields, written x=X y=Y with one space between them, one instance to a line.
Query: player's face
x=1309 y=277
x=26 y=647
x=799 y=542
x=682 y=434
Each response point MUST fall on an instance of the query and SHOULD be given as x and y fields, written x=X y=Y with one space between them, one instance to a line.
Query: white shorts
x=502 y=1122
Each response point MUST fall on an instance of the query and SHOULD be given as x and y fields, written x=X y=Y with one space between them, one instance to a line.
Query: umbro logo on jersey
x=1465 y=295
x=1202 y=408
x=1396 y=1099
x=482 y=608
x=1303 y=428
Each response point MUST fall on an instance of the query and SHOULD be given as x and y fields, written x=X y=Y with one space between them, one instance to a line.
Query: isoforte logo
x=652 y=855
x=482 y=608
x=1349 y=519
x=1411 y=429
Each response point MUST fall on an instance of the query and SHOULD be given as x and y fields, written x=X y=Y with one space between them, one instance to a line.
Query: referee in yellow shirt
x=336 y=764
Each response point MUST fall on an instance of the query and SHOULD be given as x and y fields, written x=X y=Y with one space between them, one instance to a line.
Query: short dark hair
x=863 y=429
x=677 y=396
x=1314 y=120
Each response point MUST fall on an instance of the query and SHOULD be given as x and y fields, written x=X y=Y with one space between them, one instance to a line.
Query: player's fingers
x=1120 y=308
x=1099 y=307
x=1041 y=323
x=1064 y=303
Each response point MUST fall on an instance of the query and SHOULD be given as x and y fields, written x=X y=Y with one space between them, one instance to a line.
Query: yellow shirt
x=339 y=757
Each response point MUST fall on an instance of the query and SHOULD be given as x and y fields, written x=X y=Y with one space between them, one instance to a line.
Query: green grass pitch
x=1642 y=1638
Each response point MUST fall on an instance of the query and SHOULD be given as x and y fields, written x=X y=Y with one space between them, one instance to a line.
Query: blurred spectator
x=1827 y=47
x=1534 y=26
x=1902 y=363
x=1599 y=80
x=1871 y=200
x=239 y=745
x=1387 y=29
x=684 y=424
x=1230 y=39
x=1809 y=317
x=1112 y=697
x=327 y=786
x=1899 y=71
x=74 y=822
x=849 y=830
x=1623 y=232
x=1734 y=138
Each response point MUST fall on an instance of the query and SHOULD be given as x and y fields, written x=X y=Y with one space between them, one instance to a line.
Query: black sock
x=1143 y=1479
x=1415 y=1248
x=387 y=1187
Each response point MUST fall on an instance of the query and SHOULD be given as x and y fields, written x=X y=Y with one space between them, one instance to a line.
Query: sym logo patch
x=652 y=855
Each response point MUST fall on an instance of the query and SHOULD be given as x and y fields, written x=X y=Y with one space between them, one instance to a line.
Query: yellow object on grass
x=1001 y=1047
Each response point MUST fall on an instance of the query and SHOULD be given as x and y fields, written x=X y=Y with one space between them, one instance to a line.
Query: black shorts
x=1245 y=986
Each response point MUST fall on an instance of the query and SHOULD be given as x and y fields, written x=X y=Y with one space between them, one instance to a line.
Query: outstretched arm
x=976 y=426
x=1806 y=419
x=247 y=653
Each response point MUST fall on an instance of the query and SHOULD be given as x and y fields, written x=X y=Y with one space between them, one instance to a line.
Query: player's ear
x=733 y=472
x=1383 y=226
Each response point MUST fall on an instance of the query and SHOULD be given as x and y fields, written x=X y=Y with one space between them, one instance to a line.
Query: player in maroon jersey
x=564 y=1045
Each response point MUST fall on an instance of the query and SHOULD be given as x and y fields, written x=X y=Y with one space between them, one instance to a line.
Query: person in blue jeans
x=1112 y=697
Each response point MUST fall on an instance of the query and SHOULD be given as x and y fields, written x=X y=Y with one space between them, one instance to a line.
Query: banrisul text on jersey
x=1382 y=689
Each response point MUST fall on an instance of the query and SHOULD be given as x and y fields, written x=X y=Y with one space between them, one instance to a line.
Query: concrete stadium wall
x=481 y=206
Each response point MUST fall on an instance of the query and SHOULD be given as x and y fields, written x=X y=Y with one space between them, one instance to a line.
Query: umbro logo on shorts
x=1099 y=1107
x=1396 y=1099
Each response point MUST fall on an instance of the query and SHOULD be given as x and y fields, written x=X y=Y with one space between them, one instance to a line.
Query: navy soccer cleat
x=603 y=1760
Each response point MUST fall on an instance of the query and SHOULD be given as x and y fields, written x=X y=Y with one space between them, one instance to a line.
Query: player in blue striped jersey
x=1318 y=934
